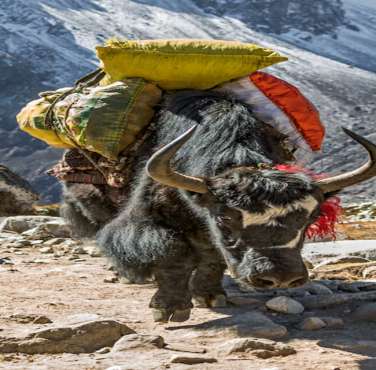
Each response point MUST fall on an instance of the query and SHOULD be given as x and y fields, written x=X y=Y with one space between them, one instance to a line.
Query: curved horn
x=158 y=167
x=365 y=172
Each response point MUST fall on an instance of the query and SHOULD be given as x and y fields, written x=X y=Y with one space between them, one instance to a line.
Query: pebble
x=262 y=348
x=333 y=322
x=46 y=250
x=190 y=360
x=103 y=350
x=319 y=289
x=92 y=251
x=312 y=323
x=184 y=348
x=138 y=340
x=243 y=301
x=285 y=305
x=53 y=241
x=78 y=250
x=110 y=279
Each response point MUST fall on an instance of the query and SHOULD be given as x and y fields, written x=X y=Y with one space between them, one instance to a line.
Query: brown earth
x=58 y=287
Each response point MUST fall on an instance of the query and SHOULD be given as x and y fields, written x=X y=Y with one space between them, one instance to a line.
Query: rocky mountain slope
x=47 y=44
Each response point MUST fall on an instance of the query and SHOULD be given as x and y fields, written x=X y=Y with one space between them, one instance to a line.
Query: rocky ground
x=62 y=306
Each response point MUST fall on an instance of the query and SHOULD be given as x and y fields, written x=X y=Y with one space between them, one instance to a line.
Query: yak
x=204 y=196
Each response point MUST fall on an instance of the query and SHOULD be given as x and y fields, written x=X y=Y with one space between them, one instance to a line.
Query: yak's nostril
x=263 y=282
x=296 y=282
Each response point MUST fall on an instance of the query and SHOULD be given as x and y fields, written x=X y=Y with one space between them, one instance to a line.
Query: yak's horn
x=365 y=172
x=158 y=167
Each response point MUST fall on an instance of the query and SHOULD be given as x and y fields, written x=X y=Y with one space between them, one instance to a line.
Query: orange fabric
x=296 y=106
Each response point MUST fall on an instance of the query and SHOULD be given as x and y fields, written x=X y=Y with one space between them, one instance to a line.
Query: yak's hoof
x=165 y=315
x=210 y=302
x=181 y=315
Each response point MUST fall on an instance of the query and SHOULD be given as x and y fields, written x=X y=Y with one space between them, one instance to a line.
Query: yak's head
x=259 y=216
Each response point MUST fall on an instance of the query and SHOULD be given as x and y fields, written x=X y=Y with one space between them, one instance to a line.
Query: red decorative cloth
x=296 y=106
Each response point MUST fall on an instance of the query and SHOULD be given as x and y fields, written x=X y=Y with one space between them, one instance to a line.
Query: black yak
x=222 y=206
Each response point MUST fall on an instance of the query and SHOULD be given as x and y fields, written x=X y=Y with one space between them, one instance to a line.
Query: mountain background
x=331 y=45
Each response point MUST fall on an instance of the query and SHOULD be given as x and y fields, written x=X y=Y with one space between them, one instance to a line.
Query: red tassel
x=330 y=210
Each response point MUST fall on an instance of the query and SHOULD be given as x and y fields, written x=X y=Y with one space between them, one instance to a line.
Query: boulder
x=16 y=194
x=19 y=224
x=86 y=337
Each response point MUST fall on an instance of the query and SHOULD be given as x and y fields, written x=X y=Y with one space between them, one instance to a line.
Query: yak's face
x=259 y=218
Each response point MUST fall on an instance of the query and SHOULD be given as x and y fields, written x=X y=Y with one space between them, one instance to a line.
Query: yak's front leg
x=206 y=283
x=172 y=301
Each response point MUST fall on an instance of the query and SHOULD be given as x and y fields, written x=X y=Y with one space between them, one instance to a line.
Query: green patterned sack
x=101 y=119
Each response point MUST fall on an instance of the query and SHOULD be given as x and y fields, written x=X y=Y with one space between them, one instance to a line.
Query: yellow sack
x=182 y=64
x=101 y=119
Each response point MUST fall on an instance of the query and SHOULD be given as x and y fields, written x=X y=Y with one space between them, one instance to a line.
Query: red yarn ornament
x=330 y=210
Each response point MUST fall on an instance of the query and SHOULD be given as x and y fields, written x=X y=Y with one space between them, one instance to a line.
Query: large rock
x=84 y=337
x=20 y=224
x=56 y=229
x=16 y=194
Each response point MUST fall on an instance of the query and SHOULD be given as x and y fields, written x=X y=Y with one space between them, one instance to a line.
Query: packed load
x=100 y=119
x=184 y=64
x=107 y=112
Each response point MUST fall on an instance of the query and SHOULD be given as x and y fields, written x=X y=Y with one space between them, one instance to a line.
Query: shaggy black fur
x=171 y=233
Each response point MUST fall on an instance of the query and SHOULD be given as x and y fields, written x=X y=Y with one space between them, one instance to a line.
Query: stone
x=53 y=241
x=77 y=250
x=312 y=323
x=323 y=301
x=46 y=250
x=138 y=340
x=111 y=279
x=318 y=289
x=86 y=337
x=190 y=360
x=103 y=350
x=184 y=348
x=30 y=318
x=92 y=250
x=244 y=301
x=19 y=224
x=70 y=243
x=42 y=320
x=36 y=242
x=365 y=312
x=369 y=272
x=333 y=322
x=284 y=305
x=251 y=324
x=263 y=348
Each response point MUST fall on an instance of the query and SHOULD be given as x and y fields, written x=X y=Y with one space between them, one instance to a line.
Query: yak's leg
x=172 y=301
x=85 y=208
x=206 y=283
